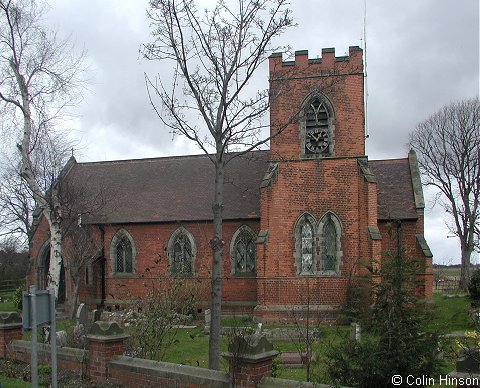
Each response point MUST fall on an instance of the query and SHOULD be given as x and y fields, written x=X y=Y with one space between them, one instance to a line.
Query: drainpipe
x=399 y=238
x=102 y=266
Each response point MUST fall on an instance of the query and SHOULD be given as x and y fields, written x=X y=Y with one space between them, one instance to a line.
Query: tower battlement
x=328 y=63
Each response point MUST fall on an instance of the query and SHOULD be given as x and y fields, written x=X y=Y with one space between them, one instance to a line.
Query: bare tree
x=13 y=261
x=215 y=55
x=16 y=207
x=40 y=78
x=81 y=241
x=448 y=148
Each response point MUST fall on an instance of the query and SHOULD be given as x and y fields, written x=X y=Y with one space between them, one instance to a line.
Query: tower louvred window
x=316 y=127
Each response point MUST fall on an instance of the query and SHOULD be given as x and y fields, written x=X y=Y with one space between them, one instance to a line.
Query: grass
x=451 y=313
x=8 y=382
x=7 y=302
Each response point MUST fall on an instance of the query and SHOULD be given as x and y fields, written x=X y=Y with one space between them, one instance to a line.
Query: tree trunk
x=216 y=277
x=55 y=256
x=76 y=280
x=465 y=267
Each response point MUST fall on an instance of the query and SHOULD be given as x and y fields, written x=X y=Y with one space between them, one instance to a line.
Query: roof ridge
x=388 y=160
x=152 y=159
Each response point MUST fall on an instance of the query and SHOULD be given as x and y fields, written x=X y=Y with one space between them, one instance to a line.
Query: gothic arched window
x=330 y=231
x=307 y=248
x=124 y=256
x=122 y=253
x=243 y=251
x=181 y=253
x=305 y=245
x=316 y=127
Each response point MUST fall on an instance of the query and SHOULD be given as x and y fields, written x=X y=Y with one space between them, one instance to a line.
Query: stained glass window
x=330 y=246
x=181 y=263
x=244 y=252
x=307 y=248
x=124 y=256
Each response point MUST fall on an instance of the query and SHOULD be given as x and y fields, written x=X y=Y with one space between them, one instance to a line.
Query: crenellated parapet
x=328 y=64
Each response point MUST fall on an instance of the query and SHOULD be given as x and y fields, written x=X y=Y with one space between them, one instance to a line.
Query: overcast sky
x=421 y=55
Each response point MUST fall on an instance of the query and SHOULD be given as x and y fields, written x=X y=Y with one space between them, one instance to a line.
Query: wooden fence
x=10 y=285
x=452 y=283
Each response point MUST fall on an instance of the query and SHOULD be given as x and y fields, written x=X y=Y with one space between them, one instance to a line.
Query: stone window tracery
x=304 y=254
x=316 y=127
x=122 y=253
x=307 y=248
x=181 y=252
x=330 y=231
x=124 y=256
x=317 y=246
x=243 y=251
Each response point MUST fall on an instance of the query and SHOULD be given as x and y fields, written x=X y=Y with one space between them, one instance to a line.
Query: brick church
x=299 y=219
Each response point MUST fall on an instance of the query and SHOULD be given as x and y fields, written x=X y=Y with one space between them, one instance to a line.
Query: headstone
x=82 y=314
x=208 y=318
x=355 y=331
x=258 y=331
x=61 y=338
x=79 y=335
x=97 y=315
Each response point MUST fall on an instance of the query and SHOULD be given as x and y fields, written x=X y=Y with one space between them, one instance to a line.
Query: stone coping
x=65 y=353
x=252 y=358
x=188 y=374
x=106 y=338
x=273 y=382
x=9 y=326
x=10 y=318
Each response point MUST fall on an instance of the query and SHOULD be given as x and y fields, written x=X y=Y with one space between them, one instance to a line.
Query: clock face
x=316 y=140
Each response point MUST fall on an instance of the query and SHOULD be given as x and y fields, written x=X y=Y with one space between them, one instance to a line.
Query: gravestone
x=96 y=314
x=208 y=318
x=82 y=314
x=355 y=331
x=61 y=338
x=258 y=331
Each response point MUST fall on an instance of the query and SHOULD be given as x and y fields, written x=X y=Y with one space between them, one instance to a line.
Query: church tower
x=317 y=200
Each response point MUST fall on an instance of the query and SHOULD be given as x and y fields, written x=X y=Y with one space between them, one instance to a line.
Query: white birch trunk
x=55 y=257
x=51 y=209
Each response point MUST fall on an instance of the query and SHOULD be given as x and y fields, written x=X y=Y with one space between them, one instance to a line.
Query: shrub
x=155 y=326
x=474 y=286
x=395 y=342
x=17 y=298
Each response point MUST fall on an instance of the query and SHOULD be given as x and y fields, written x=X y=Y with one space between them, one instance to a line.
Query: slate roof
x=180 y=188
x=395 y=196
x=172 y=189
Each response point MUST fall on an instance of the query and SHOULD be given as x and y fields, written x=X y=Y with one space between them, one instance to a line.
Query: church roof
x=171 y=189
x=180 y=188
x=395 y=194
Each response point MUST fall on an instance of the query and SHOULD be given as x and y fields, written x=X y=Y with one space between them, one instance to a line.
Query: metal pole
x=33 y=318
x=53 y=336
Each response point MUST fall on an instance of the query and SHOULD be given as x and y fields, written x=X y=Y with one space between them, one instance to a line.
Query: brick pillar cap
x=104 y=331
x=105 y=328
x=252 y=358
x=250 y=344
x=10 y=318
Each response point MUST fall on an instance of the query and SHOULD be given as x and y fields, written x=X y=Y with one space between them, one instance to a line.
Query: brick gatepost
x=105 y=340
x=249 y=360
x=10 y=330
